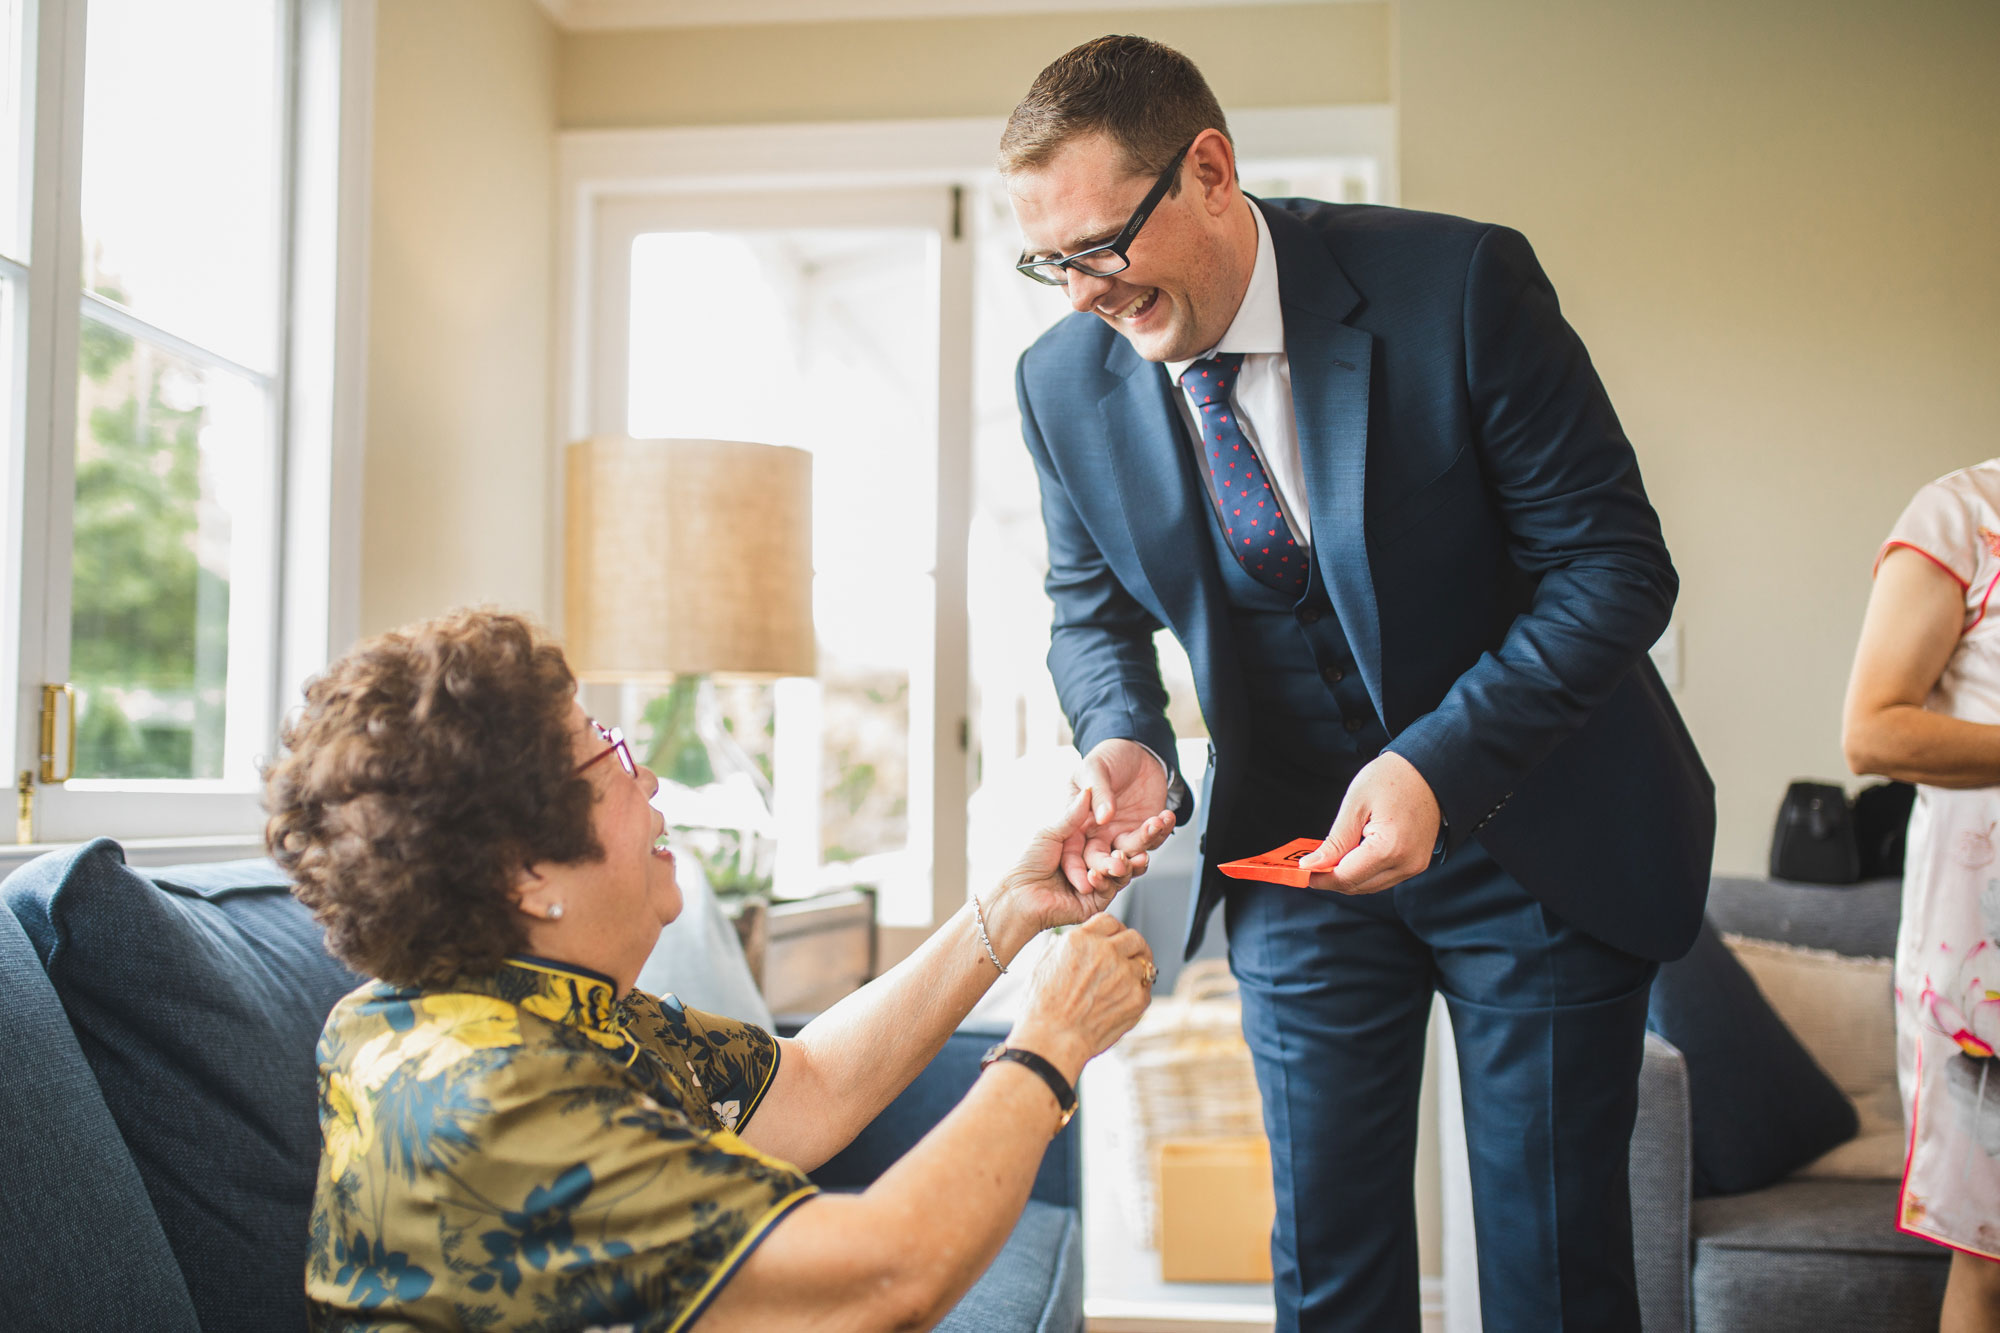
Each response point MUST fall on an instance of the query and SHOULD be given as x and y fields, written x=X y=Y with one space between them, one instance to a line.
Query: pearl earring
x=555 y=912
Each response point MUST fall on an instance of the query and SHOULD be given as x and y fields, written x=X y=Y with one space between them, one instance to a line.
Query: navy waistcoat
x=1312 y=724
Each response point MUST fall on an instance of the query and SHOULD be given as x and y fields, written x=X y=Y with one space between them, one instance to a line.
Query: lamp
x=688 y=560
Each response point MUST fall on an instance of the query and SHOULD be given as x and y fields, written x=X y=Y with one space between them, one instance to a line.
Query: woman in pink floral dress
x=1924 y=705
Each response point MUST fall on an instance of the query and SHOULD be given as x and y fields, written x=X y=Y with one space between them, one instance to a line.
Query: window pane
x=181 y=168
x=173 y=500
x=825 y=339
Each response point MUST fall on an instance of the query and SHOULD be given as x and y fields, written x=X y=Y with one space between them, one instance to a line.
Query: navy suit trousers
x=1550 y=1028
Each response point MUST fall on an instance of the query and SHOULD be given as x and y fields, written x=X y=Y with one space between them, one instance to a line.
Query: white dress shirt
x=1263 y=391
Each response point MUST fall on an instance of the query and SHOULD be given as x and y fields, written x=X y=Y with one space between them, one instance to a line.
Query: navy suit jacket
x=1479 y=523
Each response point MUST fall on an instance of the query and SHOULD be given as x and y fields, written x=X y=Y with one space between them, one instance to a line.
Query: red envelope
x=1280 y=865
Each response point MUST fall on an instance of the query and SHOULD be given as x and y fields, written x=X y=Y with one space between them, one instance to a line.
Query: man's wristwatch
x=1065 y=1094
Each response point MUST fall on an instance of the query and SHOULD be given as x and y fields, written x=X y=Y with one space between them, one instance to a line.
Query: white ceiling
x=584 y=15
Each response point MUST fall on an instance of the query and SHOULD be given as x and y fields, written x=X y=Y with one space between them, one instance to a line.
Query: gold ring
x=1150 y=975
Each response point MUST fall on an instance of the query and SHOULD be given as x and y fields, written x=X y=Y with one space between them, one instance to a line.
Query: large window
x=177 y=390
x=172 y=264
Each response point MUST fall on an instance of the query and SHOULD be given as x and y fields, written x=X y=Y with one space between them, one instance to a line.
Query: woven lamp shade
x=688 y=557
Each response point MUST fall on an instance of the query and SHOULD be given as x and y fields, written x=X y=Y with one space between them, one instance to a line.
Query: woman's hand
x=1090 y=987
x=1039 y=894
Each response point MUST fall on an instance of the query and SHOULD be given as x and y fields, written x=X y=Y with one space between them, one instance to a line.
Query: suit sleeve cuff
x=1178 y=796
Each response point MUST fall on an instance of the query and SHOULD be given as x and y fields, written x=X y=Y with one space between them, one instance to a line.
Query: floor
x=1123 y=1291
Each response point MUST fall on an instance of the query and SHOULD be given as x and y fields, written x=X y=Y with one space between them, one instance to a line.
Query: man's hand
x=1385 y=832
x=1128 y=817
x=1037 y=892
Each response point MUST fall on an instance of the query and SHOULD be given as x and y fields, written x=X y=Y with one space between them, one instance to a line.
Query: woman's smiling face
x=633 y=889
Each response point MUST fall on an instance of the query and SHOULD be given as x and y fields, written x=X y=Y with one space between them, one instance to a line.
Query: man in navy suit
x=1357 y=462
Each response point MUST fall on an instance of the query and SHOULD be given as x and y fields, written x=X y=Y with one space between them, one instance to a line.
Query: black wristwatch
x=1065 y=1094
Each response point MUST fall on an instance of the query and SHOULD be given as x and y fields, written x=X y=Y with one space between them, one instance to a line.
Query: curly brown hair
x=428 y=766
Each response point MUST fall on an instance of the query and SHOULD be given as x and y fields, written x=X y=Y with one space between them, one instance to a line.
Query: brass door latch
x=58 y=698
x=58 y=721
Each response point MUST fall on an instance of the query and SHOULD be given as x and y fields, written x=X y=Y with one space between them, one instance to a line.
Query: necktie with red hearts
x=1251 y=517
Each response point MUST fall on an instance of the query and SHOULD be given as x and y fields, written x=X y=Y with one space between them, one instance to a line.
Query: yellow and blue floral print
x=526 y=1151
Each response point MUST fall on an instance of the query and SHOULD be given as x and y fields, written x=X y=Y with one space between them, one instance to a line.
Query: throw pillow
x=699 y=958
x=1759 y=1105
x=1842 y=1010
x=1876 y=1152
x=198 y=1002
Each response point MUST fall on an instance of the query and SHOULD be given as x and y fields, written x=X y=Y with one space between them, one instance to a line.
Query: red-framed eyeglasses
x=614 y=743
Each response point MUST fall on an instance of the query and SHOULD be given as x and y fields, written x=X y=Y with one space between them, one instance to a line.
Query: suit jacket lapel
x=1164 y=500
x=1330 y=363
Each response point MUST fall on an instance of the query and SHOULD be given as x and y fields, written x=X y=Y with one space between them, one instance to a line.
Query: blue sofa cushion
x=74 y=1196
x=198 y=1002
x=1759 y=1105
x=1035 y=1285
x=930 y=1097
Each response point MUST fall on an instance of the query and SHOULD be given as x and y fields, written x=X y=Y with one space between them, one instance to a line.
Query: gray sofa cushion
x=1036 y=1283
x=198 y=1002
x=1780 y=1259
x=73 y=1194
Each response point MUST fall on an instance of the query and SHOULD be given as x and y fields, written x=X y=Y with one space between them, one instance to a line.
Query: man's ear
x=1214 y=161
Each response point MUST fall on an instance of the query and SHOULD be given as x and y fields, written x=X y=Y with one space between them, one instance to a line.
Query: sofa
x=1815 y=1250
x=159 y=1101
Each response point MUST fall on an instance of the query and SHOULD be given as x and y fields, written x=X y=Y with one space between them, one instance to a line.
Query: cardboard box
x=1215 y=1210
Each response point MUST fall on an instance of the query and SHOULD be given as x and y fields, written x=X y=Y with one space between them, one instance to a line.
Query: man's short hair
x=1148 y=99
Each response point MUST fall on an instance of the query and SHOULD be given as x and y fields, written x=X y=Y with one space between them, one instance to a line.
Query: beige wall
x=1771 y=223
x=460 y=264
x=1254 y=55
x=1774 y=226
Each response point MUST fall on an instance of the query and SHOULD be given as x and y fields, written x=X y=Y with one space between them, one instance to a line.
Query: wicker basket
x=1188 y=1074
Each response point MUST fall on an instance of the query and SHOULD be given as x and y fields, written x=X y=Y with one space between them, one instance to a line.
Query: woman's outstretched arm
x=851 y=1061
x=900 y=1254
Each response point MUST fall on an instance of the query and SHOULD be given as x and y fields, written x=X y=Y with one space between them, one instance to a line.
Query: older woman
x=515 y=1137
x=1923 y=705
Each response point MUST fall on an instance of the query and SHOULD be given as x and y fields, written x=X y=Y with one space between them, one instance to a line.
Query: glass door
x=819 y=320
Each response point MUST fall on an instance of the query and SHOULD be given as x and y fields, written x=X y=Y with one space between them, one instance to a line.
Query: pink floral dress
x=1947 y=972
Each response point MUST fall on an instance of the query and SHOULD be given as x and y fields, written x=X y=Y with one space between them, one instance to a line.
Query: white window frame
x=319 y=406
x=597 y=168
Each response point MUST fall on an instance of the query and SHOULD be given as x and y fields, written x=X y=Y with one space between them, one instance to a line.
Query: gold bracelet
x=979 y=920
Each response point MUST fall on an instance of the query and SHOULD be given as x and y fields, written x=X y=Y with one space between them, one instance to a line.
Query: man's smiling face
x=1180 y=293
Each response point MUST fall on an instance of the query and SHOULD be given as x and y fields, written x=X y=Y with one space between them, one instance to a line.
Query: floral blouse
x=524 y=1151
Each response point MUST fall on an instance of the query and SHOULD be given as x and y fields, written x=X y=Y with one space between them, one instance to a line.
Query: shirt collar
x=1259 y=325
x=565 y=993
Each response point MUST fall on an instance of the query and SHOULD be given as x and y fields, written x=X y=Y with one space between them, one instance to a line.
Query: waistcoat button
x=1333 y=676
x=1353 y=724
x=1309 y=616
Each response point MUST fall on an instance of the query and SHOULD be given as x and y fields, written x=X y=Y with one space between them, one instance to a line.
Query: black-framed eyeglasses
x=614 y=743
x=1101 y=261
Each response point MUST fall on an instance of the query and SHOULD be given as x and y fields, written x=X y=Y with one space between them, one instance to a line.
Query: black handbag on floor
x=1881 y=827
x=1814 y=840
